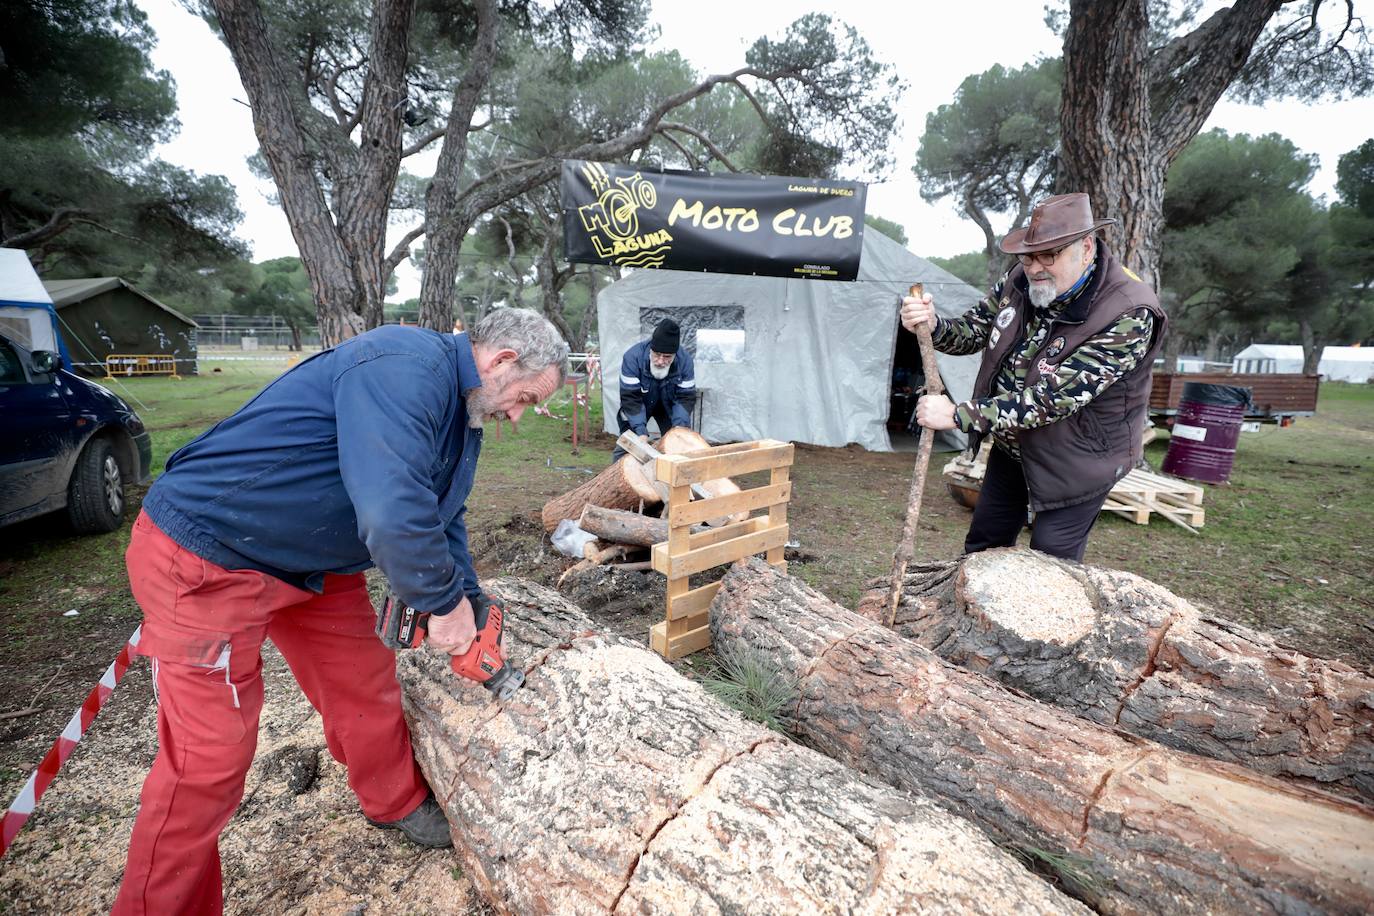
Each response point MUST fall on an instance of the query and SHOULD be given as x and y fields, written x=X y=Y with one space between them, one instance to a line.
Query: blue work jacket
x=362 y=454
x=641 y=394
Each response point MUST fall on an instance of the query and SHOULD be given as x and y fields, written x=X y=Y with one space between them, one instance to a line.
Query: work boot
x=425 y=826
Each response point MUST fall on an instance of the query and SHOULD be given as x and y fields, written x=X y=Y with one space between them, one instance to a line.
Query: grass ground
x=1288 y=545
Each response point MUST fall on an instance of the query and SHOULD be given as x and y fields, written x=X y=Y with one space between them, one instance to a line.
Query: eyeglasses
x=1044 y=257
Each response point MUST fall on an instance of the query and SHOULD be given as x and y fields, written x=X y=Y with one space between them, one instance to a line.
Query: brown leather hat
x=1055 y=222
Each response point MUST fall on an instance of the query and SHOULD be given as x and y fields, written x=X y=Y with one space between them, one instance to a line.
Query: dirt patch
x=297 y=845
x=517 y=547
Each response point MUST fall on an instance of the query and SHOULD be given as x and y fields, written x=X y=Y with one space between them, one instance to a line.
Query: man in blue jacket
x=658 y=381
x=362 y=455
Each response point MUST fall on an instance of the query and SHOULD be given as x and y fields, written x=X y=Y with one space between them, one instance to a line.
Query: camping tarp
x=796 y=360
x=26 y=311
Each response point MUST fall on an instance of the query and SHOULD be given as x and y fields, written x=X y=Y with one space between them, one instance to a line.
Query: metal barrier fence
x=132 y=364
x=251 y=332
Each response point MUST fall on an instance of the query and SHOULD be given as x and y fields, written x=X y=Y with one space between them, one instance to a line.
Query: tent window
x=720 y=345
x=711 y=333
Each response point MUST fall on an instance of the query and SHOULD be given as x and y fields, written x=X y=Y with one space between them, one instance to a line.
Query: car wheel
x=95 y=496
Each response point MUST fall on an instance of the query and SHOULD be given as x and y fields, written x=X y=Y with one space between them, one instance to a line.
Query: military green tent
x=101 y=316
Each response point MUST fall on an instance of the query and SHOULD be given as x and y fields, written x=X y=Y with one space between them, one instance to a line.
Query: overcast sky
x=933 y=46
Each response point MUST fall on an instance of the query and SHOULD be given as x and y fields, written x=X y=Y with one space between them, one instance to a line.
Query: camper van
x=65 y=443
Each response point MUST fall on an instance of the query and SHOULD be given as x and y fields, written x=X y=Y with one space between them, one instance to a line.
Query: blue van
x=65 y=443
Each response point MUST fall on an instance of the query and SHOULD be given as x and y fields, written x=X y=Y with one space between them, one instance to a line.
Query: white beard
x=1042 y=293
x=658 y=373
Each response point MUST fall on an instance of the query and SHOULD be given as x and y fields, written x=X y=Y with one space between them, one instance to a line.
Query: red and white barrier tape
x=40 y=779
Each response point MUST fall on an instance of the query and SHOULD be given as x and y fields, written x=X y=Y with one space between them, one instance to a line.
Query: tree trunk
x=620 y=527
x=990 y=250
x=362 y=196
x=1126 y=111
x=446 y=224
x=1130 y=825
x=338 y=301
x=623 y=485
x=1125 y=653
x=1311 y=347
x=551 y=282
x=1104 y=122
x=588 y=321
x=613 y=784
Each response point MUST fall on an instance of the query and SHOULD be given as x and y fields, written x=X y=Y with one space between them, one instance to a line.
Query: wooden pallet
x=686 y=627
x=1137 y=496
x=1141 y=494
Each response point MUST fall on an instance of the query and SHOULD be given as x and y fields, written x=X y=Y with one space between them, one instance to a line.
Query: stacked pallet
x=1137 y=496
x=1141 y=494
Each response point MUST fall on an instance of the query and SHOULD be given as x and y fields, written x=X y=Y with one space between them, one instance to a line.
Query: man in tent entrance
x=1068 y=338
x=658 y=382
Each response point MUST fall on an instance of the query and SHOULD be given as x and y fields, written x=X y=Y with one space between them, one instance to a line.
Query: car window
x=11 y=369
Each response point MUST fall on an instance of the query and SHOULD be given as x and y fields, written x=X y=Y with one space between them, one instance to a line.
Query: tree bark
x=1126 y=653
x=623 y=485
x=612 y=784
x=1130 y=825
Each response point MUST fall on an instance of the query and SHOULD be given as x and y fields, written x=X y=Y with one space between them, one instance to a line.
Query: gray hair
x=529 y=334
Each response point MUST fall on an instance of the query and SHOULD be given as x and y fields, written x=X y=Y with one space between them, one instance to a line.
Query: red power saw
x=401 y=626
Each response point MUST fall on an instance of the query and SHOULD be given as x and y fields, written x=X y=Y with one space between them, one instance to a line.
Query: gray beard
x=658 y=373
x=478 y=408
x=1042 y=294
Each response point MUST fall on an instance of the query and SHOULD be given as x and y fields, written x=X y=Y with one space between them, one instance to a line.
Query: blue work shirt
x=362 y=454
x=641 y=393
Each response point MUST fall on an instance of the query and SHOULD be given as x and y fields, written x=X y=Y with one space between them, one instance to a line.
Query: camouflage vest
x=1082 y=456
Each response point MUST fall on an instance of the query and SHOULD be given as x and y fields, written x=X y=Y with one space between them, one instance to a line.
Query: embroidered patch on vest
x=1044 y=367
x=1005 y=317
x=995 y=336
x=1056 y=347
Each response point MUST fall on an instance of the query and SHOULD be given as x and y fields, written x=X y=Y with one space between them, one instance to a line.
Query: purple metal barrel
x=1202 y=444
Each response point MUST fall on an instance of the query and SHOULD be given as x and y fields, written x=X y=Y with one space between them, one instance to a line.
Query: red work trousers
x=203 y=627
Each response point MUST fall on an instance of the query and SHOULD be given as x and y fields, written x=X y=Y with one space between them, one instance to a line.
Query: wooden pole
x=906 y=548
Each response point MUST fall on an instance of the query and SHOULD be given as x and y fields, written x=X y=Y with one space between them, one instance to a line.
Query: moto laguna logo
x=628 y=216
x=612 y=220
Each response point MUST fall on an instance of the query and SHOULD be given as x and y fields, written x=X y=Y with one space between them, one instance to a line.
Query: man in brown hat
x=1068 y=337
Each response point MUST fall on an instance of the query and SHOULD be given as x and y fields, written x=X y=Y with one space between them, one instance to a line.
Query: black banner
x=734 y=224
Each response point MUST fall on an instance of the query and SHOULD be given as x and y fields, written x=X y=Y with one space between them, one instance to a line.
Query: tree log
x=1131 y=826
x=1124 y=652
x=623 y=485
x=621 y=527
x=681 y=440
x=612 y=784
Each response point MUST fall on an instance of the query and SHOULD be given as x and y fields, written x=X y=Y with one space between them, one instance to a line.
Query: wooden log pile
x=1124 y=652
x=1130 y=825
x=612 y=784
x=621 y=506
